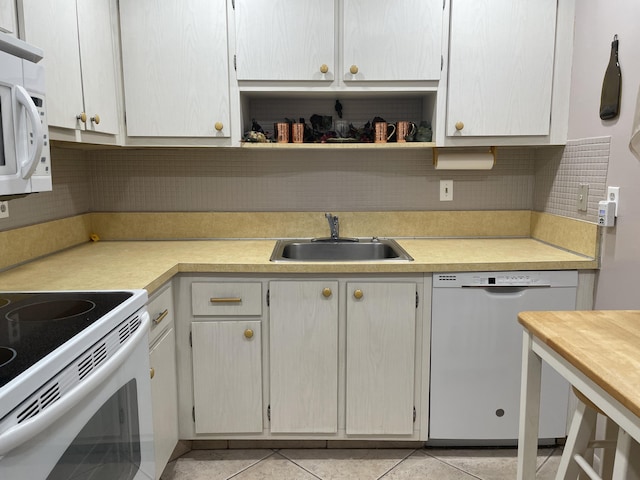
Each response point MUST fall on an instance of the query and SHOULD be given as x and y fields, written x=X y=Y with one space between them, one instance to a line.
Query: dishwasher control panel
x=506 y=279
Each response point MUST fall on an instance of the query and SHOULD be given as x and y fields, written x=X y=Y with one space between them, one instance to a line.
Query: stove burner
x=50 y=310
x=6 y=355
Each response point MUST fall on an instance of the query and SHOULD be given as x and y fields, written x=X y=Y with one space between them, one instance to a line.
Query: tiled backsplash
x=558 y=177
x=196 y=179
x=318 y=180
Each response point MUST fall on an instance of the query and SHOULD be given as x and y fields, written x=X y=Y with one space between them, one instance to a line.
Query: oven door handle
x=22 y=432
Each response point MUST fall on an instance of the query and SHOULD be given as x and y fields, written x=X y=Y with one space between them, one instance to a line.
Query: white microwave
x=25 y=158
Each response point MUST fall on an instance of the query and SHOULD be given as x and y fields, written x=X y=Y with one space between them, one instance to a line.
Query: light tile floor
x=358 y=464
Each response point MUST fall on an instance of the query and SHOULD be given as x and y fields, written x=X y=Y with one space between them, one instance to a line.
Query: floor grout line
x=298 y=465
x=397 y=464
x=273 y=452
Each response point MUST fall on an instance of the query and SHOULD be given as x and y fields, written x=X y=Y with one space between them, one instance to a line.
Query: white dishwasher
x=476 y=355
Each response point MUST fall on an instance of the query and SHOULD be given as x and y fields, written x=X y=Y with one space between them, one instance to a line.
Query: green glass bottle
x=610 y=98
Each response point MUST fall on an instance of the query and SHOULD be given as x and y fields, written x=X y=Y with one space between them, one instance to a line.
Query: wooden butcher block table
x=596 y=351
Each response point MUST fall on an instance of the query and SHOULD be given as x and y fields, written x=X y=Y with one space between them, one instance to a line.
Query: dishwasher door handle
x=546 y=285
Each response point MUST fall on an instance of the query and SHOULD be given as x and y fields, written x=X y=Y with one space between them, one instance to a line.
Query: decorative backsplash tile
x=231 y=180
x=318 y=180
x=559 y=175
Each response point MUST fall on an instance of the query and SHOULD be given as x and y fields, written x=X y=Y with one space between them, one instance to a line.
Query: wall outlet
x=4 y=209
x=446 y=190
x=583 y=197
x=613 y=195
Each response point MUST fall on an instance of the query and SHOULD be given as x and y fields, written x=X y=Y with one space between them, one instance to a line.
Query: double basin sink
x=338 y=250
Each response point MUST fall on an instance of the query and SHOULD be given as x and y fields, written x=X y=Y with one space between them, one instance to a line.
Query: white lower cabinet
x=227 y=376
x=303 y=357
x=162 y=360
x=303 y=354
x=381 y=333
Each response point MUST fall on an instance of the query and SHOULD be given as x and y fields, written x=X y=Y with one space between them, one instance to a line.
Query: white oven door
x=106 y=435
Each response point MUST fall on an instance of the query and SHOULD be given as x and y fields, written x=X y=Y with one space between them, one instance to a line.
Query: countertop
x=601 y=344
x=149 y=264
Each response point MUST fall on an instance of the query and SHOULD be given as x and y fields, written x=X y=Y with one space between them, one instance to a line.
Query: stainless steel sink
x=332 y=250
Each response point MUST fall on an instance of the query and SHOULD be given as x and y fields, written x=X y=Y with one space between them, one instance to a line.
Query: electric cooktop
x=35 y=324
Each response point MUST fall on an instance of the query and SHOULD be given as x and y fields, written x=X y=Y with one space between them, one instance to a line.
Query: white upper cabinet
x=285 y=39
x=175 y=62
x=326 y=40
x=8 y=16
x=501 y=68
x=392 y=41
x=79 y=58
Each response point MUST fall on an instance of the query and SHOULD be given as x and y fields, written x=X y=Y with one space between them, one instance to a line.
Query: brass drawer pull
x=248 y=333
x=226 y=300
x=161 y=316
x=152 y=372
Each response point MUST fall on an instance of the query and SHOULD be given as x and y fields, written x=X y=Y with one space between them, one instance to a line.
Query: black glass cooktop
x=32 y=325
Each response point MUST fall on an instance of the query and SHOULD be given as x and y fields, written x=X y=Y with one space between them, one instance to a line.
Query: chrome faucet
x=334 y=226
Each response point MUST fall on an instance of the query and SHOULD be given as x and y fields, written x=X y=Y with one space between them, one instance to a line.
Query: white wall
x=597 y=21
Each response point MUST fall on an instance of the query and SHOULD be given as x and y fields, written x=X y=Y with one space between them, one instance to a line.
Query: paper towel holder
x=464 y=158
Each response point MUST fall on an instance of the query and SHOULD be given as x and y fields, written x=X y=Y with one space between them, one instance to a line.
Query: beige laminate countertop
x=149 y=264
x=601 y=344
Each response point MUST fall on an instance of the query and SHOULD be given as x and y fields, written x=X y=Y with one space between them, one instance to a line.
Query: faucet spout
x=334 y=226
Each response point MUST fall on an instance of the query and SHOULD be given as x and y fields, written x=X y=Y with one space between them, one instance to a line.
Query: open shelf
x=356 y=146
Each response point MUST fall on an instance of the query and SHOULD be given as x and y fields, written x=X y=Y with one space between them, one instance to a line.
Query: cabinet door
x=500 y=67
x=98 y=62
x=175 y=63
x=164 y=398
x=392 y=40
x=304 y=356
x=8 y=16
x=284 y=39
x=53 y=26
x=381 y=323
x=227 y=376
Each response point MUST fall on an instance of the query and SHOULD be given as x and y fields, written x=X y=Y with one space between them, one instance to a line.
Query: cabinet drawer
x=222 y=298
x=160 y=309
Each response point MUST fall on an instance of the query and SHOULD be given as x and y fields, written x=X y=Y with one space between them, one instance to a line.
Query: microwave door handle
x=22 y=432
x=28 y=166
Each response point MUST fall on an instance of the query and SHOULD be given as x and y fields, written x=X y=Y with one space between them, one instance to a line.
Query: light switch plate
x=446 y=190
x=583 y=197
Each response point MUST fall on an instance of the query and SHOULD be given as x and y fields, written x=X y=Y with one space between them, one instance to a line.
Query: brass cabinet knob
x=82 y=117
x=358 y=294
x=459 y=126
x=218 y=126
x=324 y=68
x=152 y=372
x=248 y=333
x=326 y=292
x=353 y=69
x=96 y=119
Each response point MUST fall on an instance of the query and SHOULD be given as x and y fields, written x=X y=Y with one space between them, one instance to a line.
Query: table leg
x=529 y=410
x=626 y=460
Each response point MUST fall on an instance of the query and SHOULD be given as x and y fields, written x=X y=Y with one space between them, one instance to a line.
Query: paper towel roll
x=464 y=159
